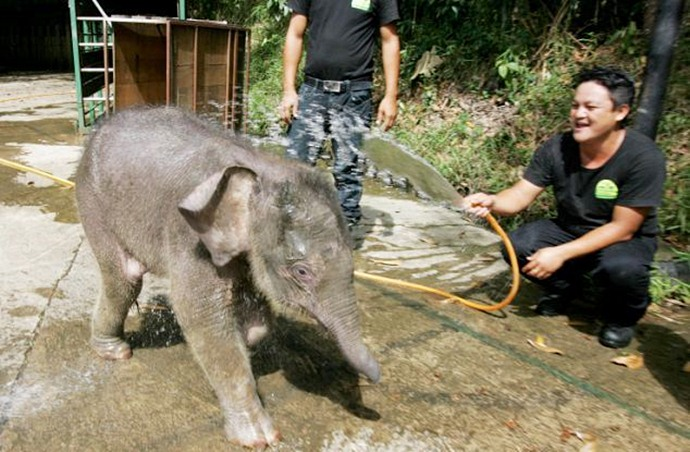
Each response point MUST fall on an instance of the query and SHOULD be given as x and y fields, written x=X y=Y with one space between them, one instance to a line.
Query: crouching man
x=608 y=182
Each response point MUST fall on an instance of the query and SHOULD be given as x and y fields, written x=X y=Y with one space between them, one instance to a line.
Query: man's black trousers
x=619 y=272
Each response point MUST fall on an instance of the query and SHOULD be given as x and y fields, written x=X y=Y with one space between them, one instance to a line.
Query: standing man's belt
x=337 y=86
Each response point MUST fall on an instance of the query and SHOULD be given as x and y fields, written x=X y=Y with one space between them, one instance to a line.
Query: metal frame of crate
x=121 y=61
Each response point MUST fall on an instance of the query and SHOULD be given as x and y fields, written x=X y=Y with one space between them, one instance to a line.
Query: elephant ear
x=218 y=211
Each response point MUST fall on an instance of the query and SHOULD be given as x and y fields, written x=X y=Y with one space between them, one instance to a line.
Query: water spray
x=515 y=272
x=383 y=152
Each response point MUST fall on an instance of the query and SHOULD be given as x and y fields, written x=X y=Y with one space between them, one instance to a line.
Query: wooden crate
x=199 y=65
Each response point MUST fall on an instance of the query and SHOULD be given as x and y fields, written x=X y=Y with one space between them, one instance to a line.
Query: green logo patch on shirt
x=606 y=189
x=364 y=5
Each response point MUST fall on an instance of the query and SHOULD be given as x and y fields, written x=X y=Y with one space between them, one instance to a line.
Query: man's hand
x=544 y=263
x=388 y=112
x=478 y=204
x=288 y=106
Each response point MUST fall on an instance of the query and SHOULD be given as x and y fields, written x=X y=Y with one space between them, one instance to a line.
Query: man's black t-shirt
x=341 y=35
x=633 y=177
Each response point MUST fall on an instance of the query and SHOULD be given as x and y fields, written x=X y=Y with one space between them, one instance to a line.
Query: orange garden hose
x=396 y=282
x=454 y=298
x=27 y=169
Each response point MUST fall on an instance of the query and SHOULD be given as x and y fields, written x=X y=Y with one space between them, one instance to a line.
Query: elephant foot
x=251 y=431
x=111 y=348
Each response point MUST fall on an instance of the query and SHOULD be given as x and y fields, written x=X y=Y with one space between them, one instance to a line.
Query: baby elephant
x=160 y=190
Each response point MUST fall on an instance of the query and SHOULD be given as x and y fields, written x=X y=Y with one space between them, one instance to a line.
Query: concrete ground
x=454 y=378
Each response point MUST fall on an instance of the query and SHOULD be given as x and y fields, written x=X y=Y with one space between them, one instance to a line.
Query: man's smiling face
x=593 y=114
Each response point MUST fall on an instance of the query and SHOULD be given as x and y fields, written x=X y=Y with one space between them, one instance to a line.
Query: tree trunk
x=663 y=38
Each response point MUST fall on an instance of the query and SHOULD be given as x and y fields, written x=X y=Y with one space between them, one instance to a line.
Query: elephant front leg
x=212 y=332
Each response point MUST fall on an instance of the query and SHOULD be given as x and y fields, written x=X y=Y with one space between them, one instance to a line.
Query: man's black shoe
x=616 y=336
x=553 y=304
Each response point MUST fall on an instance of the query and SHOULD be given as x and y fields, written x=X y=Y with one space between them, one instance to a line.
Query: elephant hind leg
x=122 y=277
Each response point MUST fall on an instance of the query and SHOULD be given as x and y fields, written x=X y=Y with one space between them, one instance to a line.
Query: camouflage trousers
x=342 y=116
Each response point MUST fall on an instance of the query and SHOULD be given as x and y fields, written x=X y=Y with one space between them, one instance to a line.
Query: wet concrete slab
x=453 y=378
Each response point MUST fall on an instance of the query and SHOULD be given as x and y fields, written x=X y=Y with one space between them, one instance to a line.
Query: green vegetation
x=503 y=86
x=666 y=288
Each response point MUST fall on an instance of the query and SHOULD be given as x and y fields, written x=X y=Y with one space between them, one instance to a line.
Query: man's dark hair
x=619 y=83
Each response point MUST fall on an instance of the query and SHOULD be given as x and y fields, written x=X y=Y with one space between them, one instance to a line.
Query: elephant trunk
x=344 y=325
x=361 y=359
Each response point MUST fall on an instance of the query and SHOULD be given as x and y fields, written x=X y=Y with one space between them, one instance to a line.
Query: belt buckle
x=332 y=86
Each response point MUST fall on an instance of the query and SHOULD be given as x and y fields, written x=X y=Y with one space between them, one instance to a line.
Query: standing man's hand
x=388 y=111
x=288 y=106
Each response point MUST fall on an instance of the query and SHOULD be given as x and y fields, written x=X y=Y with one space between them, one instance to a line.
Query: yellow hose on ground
x=33 y=96
x=27 y=169
x=454 y=298
x=396 y=282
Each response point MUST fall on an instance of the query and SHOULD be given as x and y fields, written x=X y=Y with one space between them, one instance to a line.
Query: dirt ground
x=454 y=378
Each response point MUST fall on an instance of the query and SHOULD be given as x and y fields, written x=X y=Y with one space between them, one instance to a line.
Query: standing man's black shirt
x=341 y=35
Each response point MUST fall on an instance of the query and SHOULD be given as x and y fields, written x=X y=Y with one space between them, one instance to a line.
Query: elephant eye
x=302 y=273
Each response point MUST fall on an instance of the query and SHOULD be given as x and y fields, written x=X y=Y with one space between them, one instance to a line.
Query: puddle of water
x=24 y=311
x=54 y=147
x=54 y=199
x=56 y=159
x=50 y=292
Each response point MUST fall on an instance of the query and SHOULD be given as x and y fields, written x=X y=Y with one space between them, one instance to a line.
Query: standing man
x=608 y=182
x=335 y=97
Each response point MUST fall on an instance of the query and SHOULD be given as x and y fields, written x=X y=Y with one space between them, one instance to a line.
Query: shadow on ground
x=303 y=352
x=666 y=352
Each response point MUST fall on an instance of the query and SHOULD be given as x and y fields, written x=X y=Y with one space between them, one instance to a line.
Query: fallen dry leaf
x=512 y=424
x=629 y=361
x=566 y=433
x=540 y=343
x=686 y=367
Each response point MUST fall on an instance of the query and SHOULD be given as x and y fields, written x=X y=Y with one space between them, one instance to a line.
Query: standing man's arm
x=292 y=54
x=390 y=53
